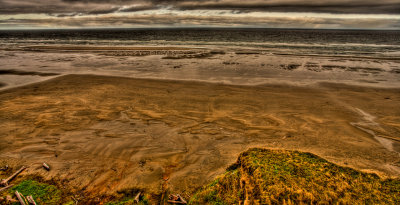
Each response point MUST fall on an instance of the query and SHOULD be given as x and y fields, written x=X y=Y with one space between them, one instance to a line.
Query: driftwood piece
x=75 y=200
x=46 y=166
x=5 y=188
x=20 y=198
x=4 y=182
x=181 y=199
x=176 y=199
x=137 y=198
x=10 y=199
x=4 y=168
x=173 y=197
x=31 y=200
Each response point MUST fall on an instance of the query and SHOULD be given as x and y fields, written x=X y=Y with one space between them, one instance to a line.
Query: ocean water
x=299 y=57
x=369 y=43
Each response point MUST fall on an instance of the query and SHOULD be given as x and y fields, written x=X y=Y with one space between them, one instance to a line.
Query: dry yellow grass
x=262 y=176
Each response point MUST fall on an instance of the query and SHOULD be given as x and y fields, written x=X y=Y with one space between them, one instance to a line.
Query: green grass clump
x=128 y=201
x=42 y=193
x=262 y=176
x=127 y=197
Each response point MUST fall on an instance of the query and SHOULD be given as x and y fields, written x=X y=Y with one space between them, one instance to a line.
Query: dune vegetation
x=262 y=176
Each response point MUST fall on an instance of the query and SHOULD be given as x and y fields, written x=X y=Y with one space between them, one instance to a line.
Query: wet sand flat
x=25 y=64
x=106 y=133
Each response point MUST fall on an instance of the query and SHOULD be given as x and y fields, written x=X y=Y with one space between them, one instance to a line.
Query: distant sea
x=372 y=43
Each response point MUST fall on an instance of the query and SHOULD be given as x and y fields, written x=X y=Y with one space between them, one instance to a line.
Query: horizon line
x=195 y=27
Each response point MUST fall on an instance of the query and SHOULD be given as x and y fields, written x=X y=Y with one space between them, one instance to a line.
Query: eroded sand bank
x=109 y=133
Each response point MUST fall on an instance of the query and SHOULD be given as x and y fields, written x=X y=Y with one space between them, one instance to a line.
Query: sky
x=321 y=14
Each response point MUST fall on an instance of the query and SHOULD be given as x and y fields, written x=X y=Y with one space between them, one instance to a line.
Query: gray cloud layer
x=91 y=13
x=68 y=6
x=360 y=7
x=110 y=6
x=190 y=20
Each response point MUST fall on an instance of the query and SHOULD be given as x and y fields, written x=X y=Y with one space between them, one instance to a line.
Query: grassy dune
x=262 y=176
x=43 y=193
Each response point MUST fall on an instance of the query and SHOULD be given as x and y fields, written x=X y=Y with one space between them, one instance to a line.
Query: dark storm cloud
x=102 y=6
x=65 y=7
x=104 y=11
x=364 y=7
x=64 y=15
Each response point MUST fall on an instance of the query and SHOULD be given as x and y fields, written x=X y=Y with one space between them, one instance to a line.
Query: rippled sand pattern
x=110 y=133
